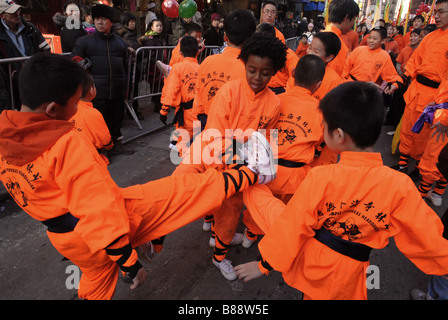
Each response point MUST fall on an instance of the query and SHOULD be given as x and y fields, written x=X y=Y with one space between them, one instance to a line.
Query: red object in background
x=170 y=8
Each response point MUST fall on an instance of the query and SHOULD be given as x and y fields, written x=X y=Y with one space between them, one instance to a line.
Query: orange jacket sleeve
x=171 y=92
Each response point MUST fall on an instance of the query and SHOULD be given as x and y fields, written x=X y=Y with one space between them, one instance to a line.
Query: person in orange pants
x=178 y=92
x=217 y=69
x=240 y=106
x=341 y=17
x=322 y=239
x=57 y=177
x=299 y=133
x=428 y=168
x=424 y=70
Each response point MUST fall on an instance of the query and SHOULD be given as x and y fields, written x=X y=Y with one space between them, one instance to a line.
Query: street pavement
x=31 y=269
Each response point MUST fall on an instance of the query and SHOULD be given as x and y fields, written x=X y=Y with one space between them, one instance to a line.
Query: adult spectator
x=87 y=22
x=109 y=56
x=151 y=15
x=268 y=15
x=118 y=10
x=214 y=36
x=72 y=28
x=18 y=38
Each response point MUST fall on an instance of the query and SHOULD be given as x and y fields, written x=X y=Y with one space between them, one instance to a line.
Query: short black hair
x=331 y=42
x=382 y=31
x=262 y=46
x=416 y=31
x=48 y=77
x=68 y=2
x=192 y=27
x=265 y=29
x=357 y=108
x=87 y=83
x=126 y=17
x=239 y=25
x=189 y=46
x=309 y=70
x=399 y=29
x=269 y=2
x=422 y=19
x=339 y=9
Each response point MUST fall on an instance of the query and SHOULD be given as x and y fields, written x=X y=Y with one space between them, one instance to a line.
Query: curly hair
x=265 y=46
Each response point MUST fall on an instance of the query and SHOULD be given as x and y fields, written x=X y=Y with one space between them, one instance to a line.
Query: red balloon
x=170 y=8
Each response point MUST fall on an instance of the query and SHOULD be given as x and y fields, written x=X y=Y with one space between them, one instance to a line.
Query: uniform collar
x=361 y=158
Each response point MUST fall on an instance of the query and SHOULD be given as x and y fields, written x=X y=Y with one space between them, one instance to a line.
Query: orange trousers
x=412 y=144
x=155 y=209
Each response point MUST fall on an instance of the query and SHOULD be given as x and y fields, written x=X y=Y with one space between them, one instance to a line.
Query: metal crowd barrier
x=292 y=43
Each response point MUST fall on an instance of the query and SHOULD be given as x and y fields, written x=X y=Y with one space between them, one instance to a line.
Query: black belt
x=354 y=250
x=179 y=116
x=353 y=78
x=290 y=164
x=427 y=82
x=62 y=224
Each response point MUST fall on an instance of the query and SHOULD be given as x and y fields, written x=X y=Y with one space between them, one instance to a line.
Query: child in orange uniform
x=368 y=63
x=299 y=134
x=303 y=46
x=178 y=92
x=240 y=106
x=56 y=175
x=321 y=240
x=90 y=121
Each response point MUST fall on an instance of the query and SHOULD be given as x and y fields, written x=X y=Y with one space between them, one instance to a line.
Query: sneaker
x=163 y=68
x=226 y=268
x=246 y=243
x=236 y=240
x=435 y=198
x=261 y=158
x=400 y=168
x=206 y=226
x=119 y=148
x=417 y=294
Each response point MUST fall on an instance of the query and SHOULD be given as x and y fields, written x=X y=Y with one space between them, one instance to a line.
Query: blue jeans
x=438 y=288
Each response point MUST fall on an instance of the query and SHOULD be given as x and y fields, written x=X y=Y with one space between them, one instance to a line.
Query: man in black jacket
x=109 y=57
x=18 y=38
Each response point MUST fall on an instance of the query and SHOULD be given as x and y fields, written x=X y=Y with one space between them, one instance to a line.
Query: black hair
x=309 y=70
x=303 y=35
x=262 y=46
x=86 y=10
x=126 y=17
x=419 y=17
x=192 y=27
x=87 y=83
x=357 y=108
x=382 y=31
x=152 y=22
x=417 y=31
x=48 y=77
x=189 y=46
x=265 y=29
x=399 y=29
x=269 y=2
x=239 y=25
x=66 y=3
x=331 y=42
x=339 y=9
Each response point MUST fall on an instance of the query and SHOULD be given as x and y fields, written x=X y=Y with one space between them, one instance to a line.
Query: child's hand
x=391 y=89
x=440 y=131
x=139 y=279
x=248 y=271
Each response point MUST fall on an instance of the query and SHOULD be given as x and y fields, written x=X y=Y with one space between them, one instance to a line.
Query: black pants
x=113 y=113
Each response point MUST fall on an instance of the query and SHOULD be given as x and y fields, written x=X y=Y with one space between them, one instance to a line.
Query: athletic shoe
x=162 y=67
x=226 y=268
x=435 y=198
x=246 y=243
x=206 y=226
x=261 y=158
x=236 y=240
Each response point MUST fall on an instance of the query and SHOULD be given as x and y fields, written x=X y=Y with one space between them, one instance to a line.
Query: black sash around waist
x=179 y=116
x=62 y=224
x=290 y=164
x=427 y=82
x=354 y=250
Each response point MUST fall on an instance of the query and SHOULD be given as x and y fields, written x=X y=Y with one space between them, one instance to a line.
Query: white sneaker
x=236 y=240
x=206 y=226
x=435 y=198
x=226 y=268
x=163 y=68
x=246 y=243
x=261 y=158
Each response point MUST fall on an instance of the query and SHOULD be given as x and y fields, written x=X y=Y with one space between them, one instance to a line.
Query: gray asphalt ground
x=31 y=269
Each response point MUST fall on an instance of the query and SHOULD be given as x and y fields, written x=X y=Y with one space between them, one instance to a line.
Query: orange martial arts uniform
x=57 y=177
x=301 y=49
x=213 y=72
x=279 y=80
x=428 y=163
x=392 y=46
x=404 y=56
x=338 y=62
x=321 y=240
x=426 y=68
x=176 y=56
x=90 y=122
x=178 y=92
x=364 y=64
x=280 y=35
x=239 y=109
x=399 y=39
x=351 y=40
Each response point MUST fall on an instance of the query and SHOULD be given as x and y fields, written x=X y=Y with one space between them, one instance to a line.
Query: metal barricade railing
x=292 y=43
x=142 y=68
